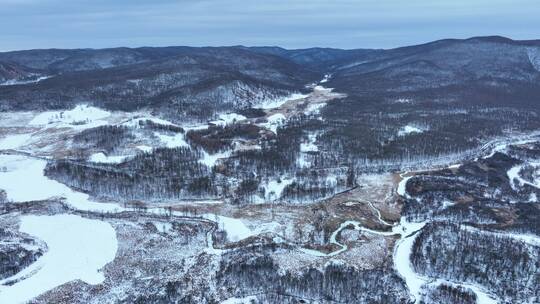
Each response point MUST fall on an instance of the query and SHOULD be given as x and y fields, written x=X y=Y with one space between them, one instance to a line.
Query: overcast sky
x=26 y=24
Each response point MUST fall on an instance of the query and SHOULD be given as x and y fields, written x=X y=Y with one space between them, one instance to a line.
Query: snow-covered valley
x=261 y=189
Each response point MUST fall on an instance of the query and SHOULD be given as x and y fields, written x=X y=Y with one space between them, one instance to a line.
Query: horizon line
x=495 y=36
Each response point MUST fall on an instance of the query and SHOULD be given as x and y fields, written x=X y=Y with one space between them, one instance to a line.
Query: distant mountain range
x=182 y=81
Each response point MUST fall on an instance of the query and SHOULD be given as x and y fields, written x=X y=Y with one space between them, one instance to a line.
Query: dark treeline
x=220 y=138
x=366 y=130
x=165 y=173
x=448 y=294
x=255 y=272
x=477 y=192
x=17 y=251
x=106 y=138
x=148 y=124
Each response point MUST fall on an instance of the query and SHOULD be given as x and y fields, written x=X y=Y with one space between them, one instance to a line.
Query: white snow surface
x=145 y=148
x=24 y=181
x=172 y=141
x=80 y=115
x=14 y=141
x=402 y=262
x=100 y=157
x=163 y=227
x=401 y=189
x=15 y=81
x=227 y=119
x=245 y=300
x=278 y=102
x=403 y=100
x=236 y=229
x=326 y=78
x=409 y=129
x=274 y=121
x=273 y=189
x=314 y=108
x=78 y=249
x=210 y=160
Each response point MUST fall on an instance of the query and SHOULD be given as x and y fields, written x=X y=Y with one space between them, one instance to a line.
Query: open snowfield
x=77 y=250
x=23 y=180
x=81 y=114
x=14 y=141
x=236 y=230
x=172 y=141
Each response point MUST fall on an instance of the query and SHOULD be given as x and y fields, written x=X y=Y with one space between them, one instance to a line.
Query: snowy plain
x=77 y=250
x=81 y=115
x=23 y=180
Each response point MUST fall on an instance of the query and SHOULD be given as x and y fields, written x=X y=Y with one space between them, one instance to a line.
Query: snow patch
x=14 y=141
x=144 y=148
x=517 y=181
x=172 y=141
x=102 y=158
x=236 y=229
x=456 y=166
x=78 y=249
x=163 y=227
x=15 y=81
x=314 y=108
x=278 y=102
x=274 y=121
x=403 y=100
x=326 y=78
x=80 y=115
x=227 y=119
x=245 y=300
x=402 y=187
x=409 y=129
x=210 y=160
x=273 y=189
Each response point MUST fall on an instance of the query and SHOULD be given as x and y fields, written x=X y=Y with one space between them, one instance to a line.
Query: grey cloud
x=293 y=23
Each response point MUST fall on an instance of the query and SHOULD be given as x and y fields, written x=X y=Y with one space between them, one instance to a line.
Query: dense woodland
x=165 y=173
x=256 y=273
x=505 y=266
x=106 y=138
x=449 y=294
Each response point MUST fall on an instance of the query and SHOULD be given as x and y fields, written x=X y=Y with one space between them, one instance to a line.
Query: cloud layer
x=26 y=24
